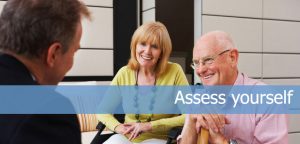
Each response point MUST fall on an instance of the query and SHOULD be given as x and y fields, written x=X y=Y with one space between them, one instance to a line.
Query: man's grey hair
x=29 y=27
x=223 y=40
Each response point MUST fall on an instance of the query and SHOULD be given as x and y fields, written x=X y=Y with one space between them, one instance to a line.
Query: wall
x=266 y=32
x=179 y=20
x=148 y=10
x=2 y=4
x=95 y=57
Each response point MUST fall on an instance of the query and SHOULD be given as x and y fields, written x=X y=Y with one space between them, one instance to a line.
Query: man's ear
x=234 y=55
x=53 y=52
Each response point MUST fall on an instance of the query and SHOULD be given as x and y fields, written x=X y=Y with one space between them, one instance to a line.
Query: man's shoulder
x=251 y=81
x=13 y=71
x=39 y=128
x=8 y=77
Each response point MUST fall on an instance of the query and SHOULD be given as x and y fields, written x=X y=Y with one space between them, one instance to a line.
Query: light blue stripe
x=149 y=99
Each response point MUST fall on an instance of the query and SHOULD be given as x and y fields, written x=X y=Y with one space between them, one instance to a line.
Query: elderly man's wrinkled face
x=212 y=64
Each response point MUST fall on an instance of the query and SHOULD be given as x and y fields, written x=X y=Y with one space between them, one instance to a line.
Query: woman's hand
x=121 y=129
x=135 y=129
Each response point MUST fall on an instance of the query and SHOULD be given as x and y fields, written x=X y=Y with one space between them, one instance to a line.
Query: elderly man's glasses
x=207 y=60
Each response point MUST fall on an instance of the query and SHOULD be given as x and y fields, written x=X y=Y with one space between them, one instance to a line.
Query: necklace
x=136 y=105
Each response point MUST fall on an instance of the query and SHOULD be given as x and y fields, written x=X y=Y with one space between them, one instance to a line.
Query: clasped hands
x=214 y=123
x=133 y=129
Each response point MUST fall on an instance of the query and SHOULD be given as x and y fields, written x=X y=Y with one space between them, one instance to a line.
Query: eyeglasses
x=207 y=60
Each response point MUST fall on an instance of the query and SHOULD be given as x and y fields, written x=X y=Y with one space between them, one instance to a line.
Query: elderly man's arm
x=271 y=128
x=189 y=133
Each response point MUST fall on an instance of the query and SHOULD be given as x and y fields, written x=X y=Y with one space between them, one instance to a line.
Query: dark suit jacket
x=34 y=128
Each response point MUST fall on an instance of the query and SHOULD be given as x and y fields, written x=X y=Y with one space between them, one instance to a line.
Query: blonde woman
x=148 y=66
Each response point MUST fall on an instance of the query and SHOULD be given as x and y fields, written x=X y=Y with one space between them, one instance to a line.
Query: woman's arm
x=166 y=124
x=108 y=120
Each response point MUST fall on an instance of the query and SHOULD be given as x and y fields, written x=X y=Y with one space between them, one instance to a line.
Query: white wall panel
x=85 y=83
x=281 y=36
x=294 y=122
x=197 y=19
x=106 y=3
x=250 y=64
x=282 y=82
x=282 y=9
x=149 y=15
x=246 y=33
x=294 y=126
x=147 y=4
x=103 y=82
x=281 y=65
x=2 y=3
x=98 y=33
x=294 y=138
x=243 y=8
x=92 y=63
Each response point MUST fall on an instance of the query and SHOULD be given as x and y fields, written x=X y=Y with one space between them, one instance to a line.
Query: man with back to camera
x=215 y=60
x=38 y=40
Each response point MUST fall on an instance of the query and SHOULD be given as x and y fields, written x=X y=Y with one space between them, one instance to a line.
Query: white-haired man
x=215 y=60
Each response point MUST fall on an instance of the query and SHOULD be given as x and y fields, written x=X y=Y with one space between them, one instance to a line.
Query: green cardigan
x=161 y=123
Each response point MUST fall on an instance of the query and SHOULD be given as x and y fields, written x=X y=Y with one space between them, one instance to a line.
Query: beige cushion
x=88 y=122
x=87 y=137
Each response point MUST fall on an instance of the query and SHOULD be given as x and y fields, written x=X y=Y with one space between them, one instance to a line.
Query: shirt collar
x=240 y=79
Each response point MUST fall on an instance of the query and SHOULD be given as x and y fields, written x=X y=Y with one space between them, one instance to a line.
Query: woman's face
x=147 y=54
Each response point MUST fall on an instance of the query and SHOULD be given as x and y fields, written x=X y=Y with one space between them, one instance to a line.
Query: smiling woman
x=148 y=66
x=147 y=54
x=156 y=37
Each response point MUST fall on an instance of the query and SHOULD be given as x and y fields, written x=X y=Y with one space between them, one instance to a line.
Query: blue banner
x=149 y=99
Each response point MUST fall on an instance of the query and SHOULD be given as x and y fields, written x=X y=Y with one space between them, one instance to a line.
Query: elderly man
x=215 y=61
x=38 y=39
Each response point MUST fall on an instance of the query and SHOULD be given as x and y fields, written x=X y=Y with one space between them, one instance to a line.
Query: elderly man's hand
x=210 y=121
x=217 y=138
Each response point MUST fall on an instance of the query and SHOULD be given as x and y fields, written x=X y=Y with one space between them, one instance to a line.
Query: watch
x=232 y=141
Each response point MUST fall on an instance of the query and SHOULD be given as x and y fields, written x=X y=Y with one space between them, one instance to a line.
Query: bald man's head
x=218 y=39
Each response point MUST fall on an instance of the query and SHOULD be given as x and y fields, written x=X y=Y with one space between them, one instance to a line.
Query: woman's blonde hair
x=154 y=33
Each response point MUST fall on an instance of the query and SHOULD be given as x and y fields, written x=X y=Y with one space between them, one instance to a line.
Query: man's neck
x=235 y=77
